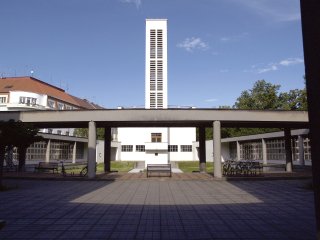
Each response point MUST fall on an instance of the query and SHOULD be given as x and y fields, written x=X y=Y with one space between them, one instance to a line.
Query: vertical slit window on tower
x=159 y=43
x=152 y=43
x=152 y=75
x=152 y=100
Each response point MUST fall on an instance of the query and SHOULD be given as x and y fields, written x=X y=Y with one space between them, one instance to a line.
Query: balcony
x=163 y=146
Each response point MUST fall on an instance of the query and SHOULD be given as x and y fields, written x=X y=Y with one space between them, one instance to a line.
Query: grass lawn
x=189 y=166
x=117 y=166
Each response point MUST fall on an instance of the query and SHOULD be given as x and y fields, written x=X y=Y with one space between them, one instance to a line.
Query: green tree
x=6 y=139
x=83 y=132
x=262 y=96
x=24 y=135
x=293 y=100
x=18 y=134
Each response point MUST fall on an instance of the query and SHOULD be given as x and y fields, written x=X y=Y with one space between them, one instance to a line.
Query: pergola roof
x=162 y=118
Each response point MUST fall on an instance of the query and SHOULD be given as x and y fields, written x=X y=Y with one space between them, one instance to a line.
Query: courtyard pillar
x=202 y=149
x=238 y=151
x=48 y=151
x=107 y=149
x=92 y=149
x=288 y=149
x=264 y=152
x=217 y=149
x=301 y=150
x=74 y=152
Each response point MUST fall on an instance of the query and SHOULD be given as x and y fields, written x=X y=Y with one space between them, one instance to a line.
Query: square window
x=140 y=148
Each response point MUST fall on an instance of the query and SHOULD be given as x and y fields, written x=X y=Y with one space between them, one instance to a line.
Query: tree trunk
x=22 y=158
x=2 y=153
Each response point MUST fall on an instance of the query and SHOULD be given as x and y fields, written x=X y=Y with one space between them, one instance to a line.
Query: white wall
x=170 y=136
x=181 y=136
x=15 y=97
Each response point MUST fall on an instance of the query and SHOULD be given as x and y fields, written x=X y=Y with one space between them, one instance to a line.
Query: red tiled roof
x=31 y=84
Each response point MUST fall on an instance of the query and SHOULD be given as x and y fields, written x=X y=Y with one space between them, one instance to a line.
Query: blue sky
x=95 y=49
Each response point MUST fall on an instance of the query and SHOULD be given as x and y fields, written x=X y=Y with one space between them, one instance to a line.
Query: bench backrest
x=48 y=164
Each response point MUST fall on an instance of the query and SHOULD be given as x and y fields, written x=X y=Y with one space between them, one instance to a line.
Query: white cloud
x=224 y=70
x=291 y=61
x=135 y=2
x=190 y=44
x=234 y=38
x=259 y=68
x=267 y=69
x=211 y=100
x=278 y=11
x=224 y=39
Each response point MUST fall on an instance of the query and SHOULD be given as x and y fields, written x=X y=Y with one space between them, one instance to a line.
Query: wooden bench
x=257 y=168
x=47 y=166
x=159 y=168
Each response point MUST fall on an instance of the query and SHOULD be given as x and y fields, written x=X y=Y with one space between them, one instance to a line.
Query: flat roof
x=162 y=118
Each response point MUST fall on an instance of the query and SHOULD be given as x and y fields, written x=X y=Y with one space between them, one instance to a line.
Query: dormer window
x=28 y=101
x=3 y=99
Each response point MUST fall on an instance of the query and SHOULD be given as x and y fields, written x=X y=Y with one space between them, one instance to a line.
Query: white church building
x=156 y=145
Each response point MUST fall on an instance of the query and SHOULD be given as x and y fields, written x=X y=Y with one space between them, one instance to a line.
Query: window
x=60 y=106
x=3 y=99
x=22 y=100
x=59 y=132
x=173 y=148
x=51 y=104
x=126 y=148
x=49 y=130
x=155 y=137
x=28 y=100
x=186 y=148
x=140 y=148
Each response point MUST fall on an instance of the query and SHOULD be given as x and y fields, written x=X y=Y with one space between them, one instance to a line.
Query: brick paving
x=157 y=209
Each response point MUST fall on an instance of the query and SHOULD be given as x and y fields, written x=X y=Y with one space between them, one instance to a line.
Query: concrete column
x=217 y=149
x=48 y=151
x=264 y=152
x=74 y=152
x=92 y=149
x=310 y=20
x=238 y=151
x=107 y=149
x=287 y=144
x=301 y=150
x=202 y=149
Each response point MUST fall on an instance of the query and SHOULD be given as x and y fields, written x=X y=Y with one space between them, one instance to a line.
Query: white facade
x=156 y=145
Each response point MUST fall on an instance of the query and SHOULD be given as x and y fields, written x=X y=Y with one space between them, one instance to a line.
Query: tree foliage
x=20 y=135
x=263 y=96
x=83 y=132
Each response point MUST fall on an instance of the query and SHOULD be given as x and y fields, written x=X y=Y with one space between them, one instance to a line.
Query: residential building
x=29 y=94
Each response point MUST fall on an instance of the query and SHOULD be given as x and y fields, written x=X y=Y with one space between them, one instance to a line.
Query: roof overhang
x=161 y=118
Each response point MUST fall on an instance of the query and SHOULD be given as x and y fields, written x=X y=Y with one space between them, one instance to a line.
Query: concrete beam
x=161 y=118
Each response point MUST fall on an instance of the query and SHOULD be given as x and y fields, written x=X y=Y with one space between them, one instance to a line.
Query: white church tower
x=156 y=145
x=156 y=92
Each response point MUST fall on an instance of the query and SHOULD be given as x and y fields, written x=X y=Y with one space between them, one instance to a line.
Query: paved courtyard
x=157 y=208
